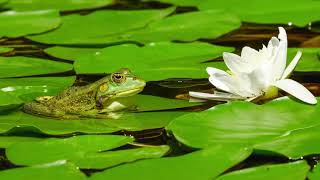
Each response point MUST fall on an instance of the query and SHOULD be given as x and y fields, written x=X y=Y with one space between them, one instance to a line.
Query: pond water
x=225 y=137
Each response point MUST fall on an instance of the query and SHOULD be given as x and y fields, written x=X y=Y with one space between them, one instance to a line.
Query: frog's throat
x=129 y=92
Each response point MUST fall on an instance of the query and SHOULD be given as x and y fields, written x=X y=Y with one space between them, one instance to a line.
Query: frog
x=96 y=100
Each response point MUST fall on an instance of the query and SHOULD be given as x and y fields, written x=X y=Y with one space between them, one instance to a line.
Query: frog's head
x=119 y=84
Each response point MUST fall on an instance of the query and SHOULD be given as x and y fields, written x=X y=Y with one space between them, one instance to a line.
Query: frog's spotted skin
x=93 y=100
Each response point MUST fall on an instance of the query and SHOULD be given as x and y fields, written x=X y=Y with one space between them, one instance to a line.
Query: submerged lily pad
x=178 y=2
x=57 y=170
x=99 y=24
x=16 y=24
x=201 y=165
x=269 y=12
x=5 y=49
x=289 y=171
x=27 y=66
x=28 y=89
x=295 y=144
x=309 y=61
x=155 y=61
x=243 y=122
x=62 y=5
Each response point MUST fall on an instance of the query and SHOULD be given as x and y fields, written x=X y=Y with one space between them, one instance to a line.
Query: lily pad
x=5 y=49
x=155 y=61
x=28 y=89
x=70 y=149
x=178 y=2
x=315 y=173
x=182 y=27
x=57 y=170
x=295 y=144
x=112 y=158
x=243 y=123
x=27 y=66
x=200 y=165
x=62 y=5
x=70 y=53
x=309 y=61
x=8 y=101
x=126 y=121
x=6 y=141
x=2 y=2
x=289 y=171
x=264 y=12
x=16 y=24
x=75 y=27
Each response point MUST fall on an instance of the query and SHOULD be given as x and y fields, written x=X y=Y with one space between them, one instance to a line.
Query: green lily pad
x=57 y=170
x=8 y=101
x=264 y=12
x=3 y=2
x=27 y=66
x=126 y=121
x=315 y=173
x=289 y=171
x=243 y=122
x=5 y=49
x=309 y=61
x=16 y=24
x=62 y=5
x=70 y=149
x=178 y=2
x=111 y=158
x=295 y=144
x=203 y=164
x=6 y=141
x=70 y=53
x=28 y=89
x=75 y=27
x=155 y=61
x=182 y=27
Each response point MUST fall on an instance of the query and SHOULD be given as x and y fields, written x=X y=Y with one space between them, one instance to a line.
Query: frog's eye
x=118 y=77
x=104 y=87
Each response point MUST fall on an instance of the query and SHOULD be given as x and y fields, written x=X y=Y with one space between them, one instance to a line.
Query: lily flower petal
x=218 y=95
x=234 y=63
x=222 y=82
x=214 y=71
x=249 y=55
x=296 y=89
x=281 y=56
x=292 y=65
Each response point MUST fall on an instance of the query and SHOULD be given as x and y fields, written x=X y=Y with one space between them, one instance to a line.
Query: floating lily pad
x=264 y=12
x=178 y=2
x=315 y=173
x=6 y=141
x=62 y=5
x=309 y=61
x=182 y=27
x=200 y=165
x=5 y=49
x=8 y=101
x=76 y=27
x=15 y=24
x=111 y=158
x=70 y=149
x=155 y=61
x=70 y=53
x=28 y=89
x=126 y=121
x=27 y=66
x=2 y=2
x=289 y=171
x=295 y=144
x=57 y=170
x=243 y=122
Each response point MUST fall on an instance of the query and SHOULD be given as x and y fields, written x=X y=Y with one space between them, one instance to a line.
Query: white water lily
x=257 y=74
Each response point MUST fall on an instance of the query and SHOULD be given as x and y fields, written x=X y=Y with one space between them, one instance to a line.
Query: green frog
x=96 y=100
